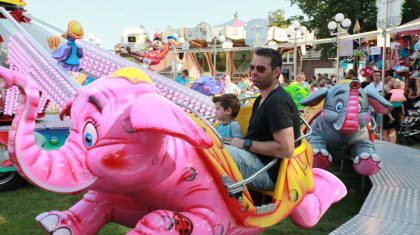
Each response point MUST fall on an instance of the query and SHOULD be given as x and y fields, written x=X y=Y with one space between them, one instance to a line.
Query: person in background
x=183 y=77
x=244 y=83
x=282 y=81
x=319 y=78
x=230 y=87
x=352 y=74
x=274 y=123
x=390 y=128
x=300 y=78
x=367 y=81
x=412 y=94
x=323 y=83
x=227 y=109
x=375 y=87
x=333 y=79
x=397 y=98
x=314 y=87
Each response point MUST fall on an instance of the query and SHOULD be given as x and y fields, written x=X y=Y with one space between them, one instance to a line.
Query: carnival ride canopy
x=236 y=33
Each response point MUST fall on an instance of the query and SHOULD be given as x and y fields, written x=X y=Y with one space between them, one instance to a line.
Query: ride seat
x=293 y=182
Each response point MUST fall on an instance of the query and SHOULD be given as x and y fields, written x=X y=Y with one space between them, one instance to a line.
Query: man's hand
x=238 y=143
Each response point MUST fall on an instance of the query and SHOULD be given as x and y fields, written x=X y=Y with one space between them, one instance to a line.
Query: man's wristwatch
x=247 y=144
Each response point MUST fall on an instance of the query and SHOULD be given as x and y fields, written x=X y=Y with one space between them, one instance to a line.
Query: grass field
x=18 y=209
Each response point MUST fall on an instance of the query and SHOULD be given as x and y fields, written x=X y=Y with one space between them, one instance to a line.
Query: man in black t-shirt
x=274 y=124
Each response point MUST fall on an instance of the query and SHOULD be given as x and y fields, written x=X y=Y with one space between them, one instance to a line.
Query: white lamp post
x=294 y=30
x=337 y=27
x=215 y=37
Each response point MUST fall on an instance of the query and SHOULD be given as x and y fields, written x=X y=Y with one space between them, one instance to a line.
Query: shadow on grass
x=19 y=208
x=339 y=212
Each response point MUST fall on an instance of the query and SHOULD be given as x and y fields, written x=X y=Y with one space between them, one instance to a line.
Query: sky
x=107 y=19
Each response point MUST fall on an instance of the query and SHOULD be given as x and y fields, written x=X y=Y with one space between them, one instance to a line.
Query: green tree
x=410 y=10
x=276 y=18
x=320 y=12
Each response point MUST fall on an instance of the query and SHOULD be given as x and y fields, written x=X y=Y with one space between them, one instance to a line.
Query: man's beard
x=262 y=85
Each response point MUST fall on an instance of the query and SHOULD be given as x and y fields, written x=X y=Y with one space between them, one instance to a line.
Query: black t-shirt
x=277 y=112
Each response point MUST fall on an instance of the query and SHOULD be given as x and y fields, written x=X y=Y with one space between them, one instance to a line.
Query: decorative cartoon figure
x=297 y=92
x=69 y=54
x=340 y=126
x=154 y=55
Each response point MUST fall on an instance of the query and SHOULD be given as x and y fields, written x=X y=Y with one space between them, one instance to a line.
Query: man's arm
x=283 y=145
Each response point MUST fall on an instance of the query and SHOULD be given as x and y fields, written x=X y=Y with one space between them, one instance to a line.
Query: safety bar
x=235 y=188
x=308 y=133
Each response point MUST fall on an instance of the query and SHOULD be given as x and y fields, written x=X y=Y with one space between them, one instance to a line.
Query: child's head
x=399 y=84
x=227 y=107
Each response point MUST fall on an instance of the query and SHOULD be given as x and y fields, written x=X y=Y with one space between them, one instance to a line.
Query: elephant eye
x=90 y=135
x=339 y=106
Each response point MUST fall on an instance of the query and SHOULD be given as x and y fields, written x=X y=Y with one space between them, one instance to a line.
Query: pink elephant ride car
x=145 y=163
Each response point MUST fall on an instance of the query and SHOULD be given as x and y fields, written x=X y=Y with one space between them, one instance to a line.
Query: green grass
x=19 y=208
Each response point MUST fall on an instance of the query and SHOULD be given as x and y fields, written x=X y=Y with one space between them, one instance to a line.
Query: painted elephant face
x=122 y=128
x=345 y=110
x=101 y=125
x=346 y=106
x=119 y=131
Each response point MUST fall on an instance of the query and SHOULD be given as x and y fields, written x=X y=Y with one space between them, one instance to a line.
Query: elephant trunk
x=62 y=170
x=351 y=120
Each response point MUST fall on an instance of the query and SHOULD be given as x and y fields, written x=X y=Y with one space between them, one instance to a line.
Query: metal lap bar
x=234 y=188
x=308 y=133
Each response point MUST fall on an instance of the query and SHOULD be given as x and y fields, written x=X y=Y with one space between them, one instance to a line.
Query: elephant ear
x=314 y=98
x=154 y=113
x=379 y=103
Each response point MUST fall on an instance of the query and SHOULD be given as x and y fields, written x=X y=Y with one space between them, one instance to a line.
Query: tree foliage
x=320 y=12
x=410 y=11
x=276 y=18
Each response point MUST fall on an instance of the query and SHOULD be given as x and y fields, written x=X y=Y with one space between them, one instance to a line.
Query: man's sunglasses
x=260 y=68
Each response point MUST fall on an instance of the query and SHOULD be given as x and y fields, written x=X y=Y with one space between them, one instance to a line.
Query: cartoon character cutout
x=69 y=54
x=153 y=56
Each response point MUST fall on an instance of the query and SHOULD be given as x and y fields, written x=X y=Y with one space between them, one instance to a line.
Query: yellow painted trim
x=133 y=75
x=15 y=2
x=281 y=180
